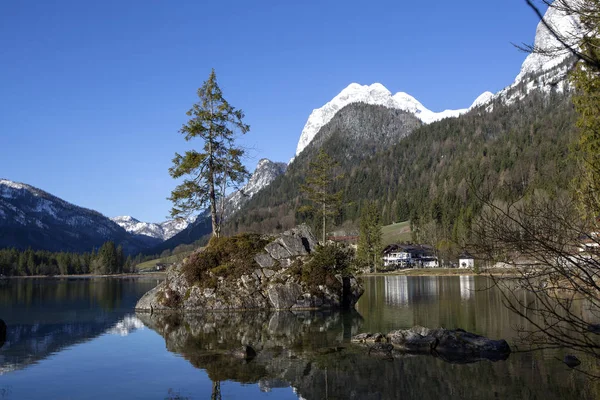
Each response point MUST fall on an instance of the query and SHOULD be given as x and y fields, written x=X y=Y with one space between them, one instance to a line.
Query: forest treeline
x=108 y=259
x=435 y=175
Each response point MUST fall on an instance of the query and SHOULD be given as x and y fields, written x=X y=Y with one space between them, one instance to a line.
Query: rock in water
x=456 y=346
x=571 y=361
x=273 y=279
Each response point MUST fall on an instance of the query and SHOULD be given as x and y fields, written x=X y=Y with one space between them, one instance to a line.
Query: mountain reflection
x=44 y=316
x=311 y=353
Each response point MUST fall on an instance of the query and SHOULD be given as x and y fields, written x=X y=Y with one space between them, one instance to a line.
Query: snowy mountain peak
x=375 y=94
x=163 y=231
x=483 y=98
x=568 y=27
x=266 y=171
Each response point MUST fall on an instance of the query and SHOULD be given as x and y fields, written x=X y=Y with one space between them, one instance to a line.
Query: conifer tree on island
x=371 y=236
x=218 y=166
x=319 y=189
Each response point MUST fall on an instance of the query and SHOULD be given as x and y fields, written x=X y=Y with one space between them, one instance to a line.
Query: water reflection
x=396 y=290
x=310 y=353
x=467 y=285
x=45 y=316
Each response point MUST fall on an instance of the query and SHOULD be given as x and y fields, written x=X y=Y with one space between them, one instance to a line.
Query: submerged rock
x=456 y=346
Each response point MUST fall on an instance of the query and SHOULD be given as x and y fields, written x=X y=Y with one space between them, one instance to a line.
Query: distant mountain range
x=31 y=217
x=161 y=231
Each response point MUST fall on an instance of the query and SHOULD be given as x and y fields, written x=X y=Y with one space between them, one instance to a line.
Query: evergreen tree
x=218 y=166
x=318 y=188
x=370 y=241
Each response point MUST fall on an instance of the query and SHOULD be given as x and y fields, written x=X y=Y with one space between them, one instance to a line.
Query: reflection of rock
x=310 y=352
x=269 y=283
x=2 y=333
x=251 y=346
x=455 y=346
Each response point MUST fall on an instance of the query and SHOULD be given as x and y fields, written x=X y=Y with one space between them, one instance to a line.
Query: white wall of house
x=466 y=263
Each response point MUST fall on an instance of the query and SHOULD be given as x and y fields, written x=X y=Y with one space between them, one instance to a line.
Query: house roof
x=465 y=254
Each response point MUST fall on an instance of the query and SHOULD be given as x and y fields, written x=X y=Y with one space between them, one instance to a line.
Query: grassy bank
x=396 y=233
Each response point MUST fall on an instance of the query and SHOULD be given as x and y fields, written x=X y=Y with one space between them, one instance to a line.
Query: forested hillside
x=428 y=176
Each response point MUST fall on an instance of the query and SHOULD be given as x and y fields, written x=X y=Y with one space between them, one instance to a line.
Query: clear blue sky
x=93 y=93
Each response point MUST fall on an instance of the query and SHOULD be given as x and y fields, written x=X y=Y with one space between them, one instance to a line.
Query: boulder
x=304 y=233
x=459 y=340
x=456 y=346
x=293 y=245
x=264 y=260
x=283 y=297
x=277 y=251
x=412 y=340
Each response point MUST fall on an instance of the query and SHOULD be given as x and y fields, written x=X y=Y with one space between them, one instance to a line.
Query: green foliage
x=227 y=257
x=218 y=166
x=586 y=79
x=318 y=188
x=326 y=262
x=370 y=240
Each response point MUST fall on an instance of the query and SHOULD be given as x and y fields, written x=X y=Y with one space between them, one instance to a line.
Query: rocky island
x=255 y=272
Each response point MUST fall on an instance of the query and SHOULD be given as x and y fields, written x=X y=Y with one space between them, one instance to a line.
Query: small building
x=409 y=256
x=466 y=261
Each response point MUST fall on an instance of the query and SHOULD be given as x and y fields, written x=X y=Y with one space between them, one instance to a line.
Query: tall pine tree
x=319 y=189
x=218 y=166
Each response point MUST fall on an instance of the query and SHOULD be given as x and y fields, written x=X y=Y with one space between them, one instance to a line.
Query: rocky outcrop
x=274 y=281
x=456 y=346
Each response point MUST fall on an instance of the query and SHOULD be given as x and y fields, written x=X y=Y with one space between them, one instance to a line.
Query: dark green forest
x=108 y=259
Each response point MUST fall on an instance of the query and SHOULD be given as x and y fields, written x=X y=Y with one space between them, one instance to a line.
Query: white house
x=409 y=256
x=465 y=260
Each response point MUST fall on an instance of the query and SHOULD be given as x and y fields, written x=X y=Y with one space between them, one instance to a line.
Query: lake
x=81 y=339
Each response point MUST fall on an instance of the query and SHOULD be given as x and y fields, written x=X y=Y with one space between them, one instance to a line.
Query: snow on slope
x=568 y=26
x=162 y=231
x=375 y=94
x=266 y=171
x=546 y=70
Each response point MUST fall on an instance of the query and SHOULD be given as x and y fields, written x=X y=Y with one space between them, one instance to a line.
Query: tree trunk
x=211 y=191
x=324 y=217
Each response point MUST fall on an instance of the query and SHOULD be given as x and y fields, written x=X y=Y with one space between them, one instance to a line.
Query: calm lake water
x=81 y=339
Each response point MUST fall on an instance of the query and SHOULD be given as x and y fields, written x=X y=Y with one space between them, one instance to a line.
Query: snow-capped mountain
x=553 y=52
x=375 y=94
x=546 y=68
x=265 y=172
x=162 y=231
x=30 y=217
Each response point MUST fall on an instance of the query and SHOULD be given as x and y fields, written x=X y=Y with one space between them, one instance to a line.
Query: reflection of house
x=409 y=256
x=396 y=290
x=465 y=260
x=467 y=286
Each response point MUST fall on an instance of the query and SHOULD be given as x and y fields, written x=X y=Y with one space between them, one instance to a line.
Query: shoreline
x=155 y=274
x=442 y=272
